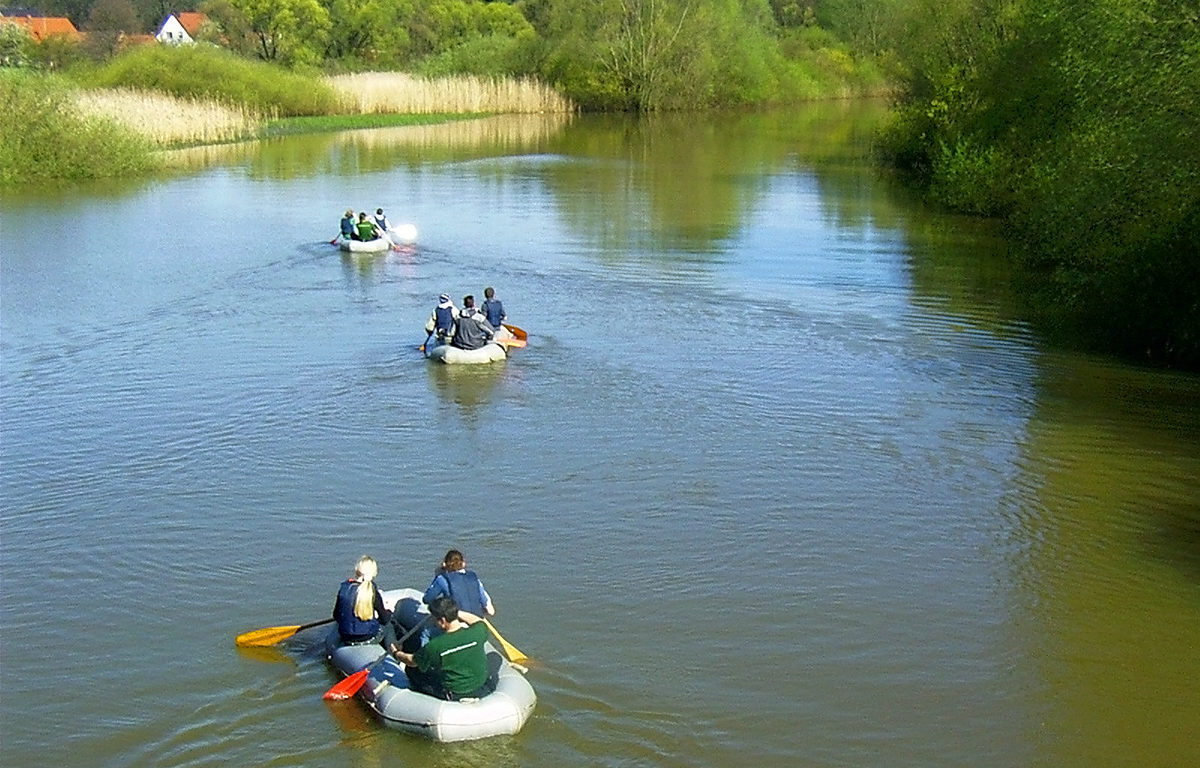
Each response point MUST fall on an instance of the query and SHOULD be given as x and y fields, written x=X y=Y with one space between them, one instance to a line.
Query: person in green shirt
x=366 y=228
x=454 y=665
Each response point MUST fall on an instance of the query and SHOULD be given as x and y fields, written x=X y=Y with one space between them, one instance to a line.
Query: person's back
x=472 y=330
x=366 y=228
x=359 y=609
x=493 y=309
x=348 y=225
x=454 y=580
x=441 y=320
x=381 y=220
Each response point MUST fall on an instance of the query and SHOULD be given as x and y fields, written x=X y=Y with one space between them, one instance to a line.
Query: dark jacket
x=463 y=586
x=472 y=331
x=350 y=627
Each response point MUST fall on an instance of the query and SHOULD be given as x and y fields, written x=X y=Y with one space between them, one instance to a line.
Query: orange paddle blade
x=516 y=343
x=348 y=687
x=515 y=331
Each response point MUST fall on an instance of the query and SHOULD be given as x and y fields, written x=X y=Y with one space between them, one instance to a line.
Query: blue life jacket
x=463 y=587
x=445 y=320
x=348 y=225
x=350 y=627
x=494 y=311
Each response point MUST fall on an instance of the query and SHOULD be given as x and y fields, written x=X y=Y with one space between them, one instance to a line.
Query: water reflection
x=349 y=153
x=470 y=387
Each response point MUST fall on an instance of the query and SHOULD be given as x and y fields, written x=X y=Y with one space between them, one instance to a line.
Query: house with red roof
x=181 y=28
x=42 y=27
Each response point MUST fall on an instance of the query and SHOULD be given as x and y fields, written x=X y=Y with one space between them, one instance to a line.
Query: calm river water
x=780 y=480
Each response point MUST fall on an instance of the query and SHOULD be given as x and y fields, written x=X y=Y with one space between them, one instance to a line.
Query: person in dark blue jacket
x=348 y=226
x=493 y=308
x=454 y=580
x=359 y=609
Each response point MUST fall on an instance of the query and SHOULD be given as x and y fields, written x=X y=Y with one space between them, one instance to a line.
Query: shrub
x=207 y=72
x=43 y=136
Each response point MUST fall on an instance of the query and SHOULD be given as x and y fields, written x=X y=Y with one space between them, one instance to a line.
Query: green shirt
x=458 y=657
x=366 y=229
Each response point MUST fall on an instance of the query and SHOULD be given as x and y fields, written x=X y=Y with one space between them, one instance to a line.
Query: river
x=781 y=479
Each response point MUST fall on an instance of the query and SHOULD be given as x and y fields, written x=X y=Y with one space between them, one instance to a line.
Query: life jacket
x=464 y=587
x=382 y=222
x=494 y=311
x=348 y=225
x=350 y=627
x=445 y=319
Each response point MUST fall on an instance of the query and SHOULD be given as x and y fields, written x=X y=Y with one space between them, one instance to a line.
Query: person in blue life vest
x=348 y=226
x=365 y=229
x=441 y=320
x=359 y=609
x=454 y=665
x=493 y=308
x=381 y=221
x=452 y=579
x=471 y=329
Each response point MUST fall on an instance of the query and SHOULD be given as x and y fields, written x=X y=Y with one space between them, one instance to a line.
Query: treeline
x=629 y=55
x=1078 y=123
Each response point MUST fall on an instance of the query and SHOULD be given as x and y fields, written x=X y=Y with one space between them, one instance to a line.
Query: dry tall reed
x=168 y=121
x=398 y=93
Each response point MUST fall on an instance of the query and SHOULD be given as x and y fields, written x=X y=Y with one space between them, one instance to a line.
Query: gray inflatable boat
x=386 y=690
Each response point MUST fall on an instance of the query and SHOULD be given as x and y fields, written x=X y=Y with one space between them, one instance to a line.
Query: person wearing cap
x=348 y=226
x=471 y=329
x=441 y=320
x=493 y=308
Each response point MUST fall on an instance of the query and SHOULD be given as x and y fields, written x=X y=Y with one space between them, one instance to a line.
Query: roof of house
x=191 y=21
x=42 y=27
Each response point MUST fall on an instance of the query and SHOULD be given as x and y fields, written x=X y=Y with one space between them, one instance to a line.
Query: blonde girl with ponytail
x=359 y=609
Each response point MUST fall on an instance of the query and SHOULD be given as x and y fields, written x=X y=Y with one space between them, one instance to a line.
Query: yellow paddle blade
x=509 y=649
x=267 y=636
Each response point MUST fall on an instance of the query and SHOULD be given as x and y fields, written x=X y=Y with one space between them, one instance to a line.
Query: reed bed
x=396 y=92
x=168 y=121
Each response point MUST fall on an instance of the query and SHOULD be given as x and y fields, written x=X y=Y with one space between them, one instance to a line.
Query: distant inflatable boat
x=448 y=353
x=378 y=245
x=386 y=691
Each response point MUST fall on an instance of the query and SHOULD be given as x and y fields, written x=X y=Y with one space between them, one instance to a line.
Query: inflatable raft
x=378 y=245
x=447 y=353
x=386 y=690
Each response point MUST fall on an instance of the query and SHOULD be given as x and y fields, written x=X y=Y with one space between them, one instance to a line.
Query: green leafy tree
x=370 y=31
x=290 y=32
x=227 y=27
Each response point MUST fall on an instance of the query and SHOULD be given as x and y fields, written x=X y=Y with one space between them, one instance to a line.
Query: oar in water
x=516 y=331
x=272 y=635
x=510 y=650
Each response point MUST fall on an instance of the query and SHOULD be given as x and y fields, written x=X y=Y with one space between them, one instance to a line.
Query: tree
x=290 y=32
x=369 y=30
x=107 y=22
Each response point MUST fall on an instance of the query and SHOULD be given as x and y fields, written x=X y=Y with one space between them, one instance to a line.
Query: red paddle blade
x=348 y=687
